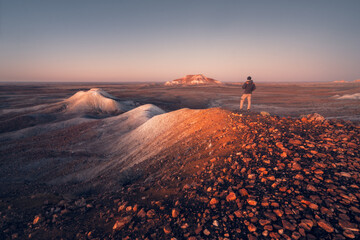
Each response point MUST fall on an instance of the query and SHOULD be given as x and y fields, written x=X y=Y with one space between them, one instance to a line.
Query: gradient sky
x=114 y=40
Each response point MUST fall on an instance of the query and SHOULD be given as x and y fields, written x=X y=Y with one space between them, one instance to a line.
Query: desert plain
x=148 y=161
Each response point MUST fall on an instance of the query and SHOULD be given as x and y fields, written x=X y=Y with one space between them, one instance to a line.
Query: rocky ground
x=259 y=177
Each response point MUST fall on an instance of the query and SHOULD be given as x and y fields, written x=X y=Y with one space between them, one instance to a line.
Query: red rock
x=355 y=209
x=121 y=223
x=325 y=225
x=306 y=224
x=279 y=212
x=37 y=219
x=151 y=213
x=310 y=187
x=231 y=197
x=296 y=166
x=213 y=160
x=288 y=225
x=295 y=142
x=244 y=192
x=264 y=222
x=206 y=232
x=279 y=145
x=313 y=206
x=295 y=235
x=268 y=227
x=271 y=178
x=251 y=237
x=270 y=215
x=167 y=229
x=349 y=234
x=135 y=208
x=122 y=207
x=214 y=201
x=141 y=213
x=345 y=174
x=346 y=225
x=198 y=230
x=302 y=232
x=238 y=214
x=251 y=227
x=299 y=177
x=175 y=212
x=184 y=226
x=251 y=202
x=275 y=235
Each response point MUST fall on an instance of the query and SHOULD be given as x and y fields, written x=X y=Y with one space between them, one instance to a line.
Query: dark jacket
x=249 y=86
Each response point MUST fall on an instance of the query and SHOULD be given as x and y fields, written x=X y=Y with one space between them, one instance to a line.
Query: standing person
x=249 y=87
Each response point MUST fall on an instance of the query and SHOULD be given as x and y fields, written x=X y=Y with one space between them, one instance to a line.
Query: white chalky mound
x=349 y=96
x=94 y=100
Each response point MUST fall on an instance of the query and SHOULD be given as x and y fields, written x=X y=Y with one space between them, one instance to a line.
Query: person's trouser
x=243 y=97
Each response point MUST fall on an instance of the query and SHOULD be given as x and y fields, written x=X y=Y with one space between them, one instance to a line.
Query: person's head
x=248 y=78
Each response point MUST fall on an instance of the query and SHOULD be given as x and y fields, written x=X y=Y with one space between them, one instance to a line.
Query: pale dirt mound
x=349 y=96
x=94 y=100
x=198 y=79
x=162 y=132
x=152 y=135
x=133 y=118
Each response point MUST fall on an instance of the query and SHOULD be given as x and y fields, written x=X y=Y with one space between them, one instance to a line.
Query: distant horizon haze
x=159 y=41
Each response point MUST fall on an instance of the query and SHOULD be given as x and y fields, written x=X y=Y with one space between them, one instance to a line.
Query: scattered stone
x=346 y=225
x=167 y=229
x=251 y=202
x=251 y=227
x=288 y=225
x=215 y=223
x=214 y=201
x=349 y=234
x=121 y=223
x=325 y=225
x=141 y=213
x=310 y=187
x=175 y=212
x=306 y=224
x=151 y=213
x=231 y=197
x=244 y=192
x=206 y=232
x=37 y=219
x=295 y=235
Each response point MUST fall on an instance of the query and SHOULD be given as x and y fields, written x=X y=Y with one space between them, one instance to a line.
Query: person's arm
x=253 y=87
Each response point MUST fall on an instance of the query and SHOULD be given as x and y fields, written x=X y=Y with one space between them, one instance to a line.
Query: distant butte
x=198 y=79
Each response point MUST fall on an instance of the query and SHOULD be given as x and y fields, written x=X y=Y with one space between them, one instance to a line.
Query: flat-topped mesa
x=198 y=79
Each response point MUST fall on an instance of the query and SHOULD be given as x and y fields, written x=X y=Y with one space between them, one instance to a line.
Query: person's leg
x=242 y=101
x=249 y=101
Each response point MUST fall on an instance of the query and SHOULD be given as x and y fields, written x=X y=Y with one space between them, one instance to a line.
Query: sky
x=142 y=40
